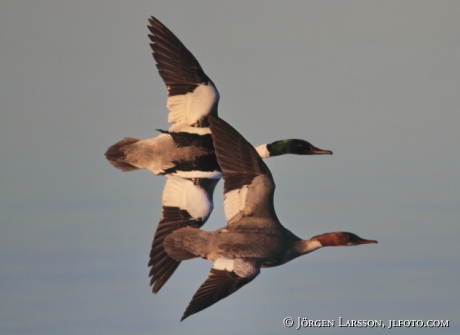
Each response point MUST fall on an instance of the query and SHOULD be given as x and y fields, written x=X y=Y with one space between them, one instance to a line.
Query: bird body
x=184 y=153
x=176 y=153
x=254 y=237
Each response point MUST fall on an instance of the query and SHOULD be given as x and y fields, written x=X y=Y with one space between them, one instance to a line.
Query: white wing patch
x=223 y=263
x=186 y=110
x=234 y=203
x=182 y=193
x=244 y=268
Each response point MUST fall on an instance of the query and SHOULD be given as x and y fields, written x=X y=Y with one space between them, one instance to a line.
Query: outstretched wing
x=191 y=94
x=226 y=277
x=186 y=203
x=248 y=184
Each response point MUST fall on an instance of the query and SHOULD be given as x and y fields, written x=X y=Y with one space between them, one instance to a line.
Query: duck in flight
x=185 y=153
x=254 y=238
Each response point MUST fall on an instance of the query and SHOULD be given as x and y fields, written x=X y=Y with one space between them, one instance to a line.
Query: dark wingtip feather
x=162 y=265
x=219 y=285
x=181 y=72
x=157 y=282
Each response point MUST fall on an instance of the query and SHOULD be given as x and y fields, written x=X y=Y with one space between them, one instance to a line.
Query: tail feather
x=185 y=243
x=117 y=157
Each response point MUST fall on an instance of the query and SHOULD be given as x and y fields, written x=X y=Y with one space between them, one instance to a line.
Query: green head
x=293 y=146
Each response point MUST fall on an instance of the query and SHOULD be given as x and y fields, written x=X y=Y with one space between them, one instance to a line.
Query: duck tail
x=117 y=157
x=185 y=243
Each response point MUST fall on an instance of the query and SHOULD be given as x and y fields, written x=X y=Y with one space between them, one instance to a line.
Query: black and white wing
x=226 y=277
x=186 y=203
x=248 y=184
x=191 y=94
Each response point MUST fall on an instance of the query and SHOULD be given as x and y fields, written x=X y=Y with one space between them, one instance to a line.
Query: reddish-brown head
x=336 y=239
